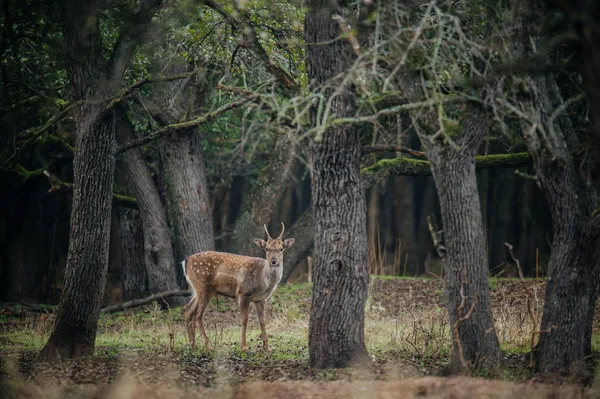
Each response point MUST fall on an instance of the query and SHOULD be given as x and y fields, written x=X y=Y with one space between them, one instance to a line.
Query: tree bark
x=91 y=77
x=465 y=264
x=74 y=331
x=187 y=193
x=571 y=187
x=303 y=231
x=134 y=279
x=341 y=278
x=158 y=260
x=261 y=202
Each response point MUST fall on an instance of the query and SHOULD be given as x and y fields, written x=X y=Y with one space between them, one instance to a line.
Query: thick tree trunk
x=160 y=268
x=465 y=264
x=261 y=202
x=187 y=193
x=87 y=262
x=571 y=188
x=91 y=78
x=134 y=280
x=562 y=345
x=570 y=296
x=341 y=279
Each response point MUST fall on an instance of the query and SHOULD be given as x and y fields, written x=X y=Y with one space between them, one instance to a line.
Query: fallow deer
x=245 y=278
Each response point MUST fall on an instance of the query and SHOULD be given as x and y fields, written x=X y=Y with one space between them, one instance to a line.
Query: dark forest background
x=34 y=231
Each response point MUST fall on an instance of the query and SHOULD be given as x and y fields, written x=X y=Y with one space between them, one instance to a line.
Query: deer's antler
x=267 y=231
x=282 y=230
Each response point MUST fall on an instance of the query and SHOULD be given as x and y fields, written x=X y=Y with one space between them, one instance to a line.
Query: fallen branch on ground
x=144 y=301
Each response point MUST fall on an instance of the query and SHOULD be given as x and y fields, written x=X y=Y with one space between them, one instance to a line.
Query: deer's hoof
x=245 y=348
x=267 y=349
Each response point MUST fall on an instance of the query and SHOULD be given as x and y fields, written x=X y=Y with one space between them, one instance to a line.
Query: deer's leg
x=244 y=303
x=190 y=318
x=262 y=319
x=203 y=301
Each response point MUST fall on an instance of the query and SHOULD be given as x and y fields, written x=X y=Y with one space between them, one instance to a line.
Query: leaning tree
x=94 y=78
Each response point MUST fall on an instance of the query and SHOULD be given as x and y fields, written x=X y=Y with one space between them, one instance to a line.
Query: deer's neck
x=272 y=274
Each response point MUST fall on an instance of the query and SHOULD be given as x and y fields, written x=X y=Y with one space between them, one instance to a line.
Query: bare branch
x=436 y=236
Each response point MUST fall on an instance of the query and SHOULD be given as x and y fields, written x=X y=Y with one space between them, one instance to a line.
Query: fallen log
x=144 y=301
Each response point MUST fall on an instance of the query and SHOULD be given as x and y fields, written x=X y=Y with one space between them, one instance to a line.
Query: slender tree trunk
x=161 y=270
x=187 y=193
x=134 y=280
x=465 y=264
x=341 y=279
x=405 y=218
x=261 y=202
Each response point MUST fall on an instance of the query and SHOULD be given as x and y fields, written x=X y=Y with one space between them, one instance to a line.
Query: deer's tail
x=190 y=307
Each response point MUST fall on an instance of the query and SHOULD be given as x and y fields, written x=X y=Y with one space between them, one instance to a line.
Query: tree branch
x=59 y=186
x=130 y=36
x=185 y=125
x=249 y=32
x=139 y=302
x=148 y=79
x=417 y=167
x=391 y=148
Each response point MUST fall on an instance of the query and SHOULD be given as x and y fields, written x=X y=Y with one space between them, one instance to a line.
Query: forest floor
x=145 y=353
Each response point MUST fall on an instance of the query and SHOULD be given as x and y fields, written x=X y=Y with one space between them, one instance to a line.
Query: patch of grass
x=406 y=333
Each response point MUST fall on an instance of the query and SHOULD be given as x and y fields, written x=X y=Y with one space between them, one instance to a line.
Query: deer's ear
x=288 y=243
x=260 y=243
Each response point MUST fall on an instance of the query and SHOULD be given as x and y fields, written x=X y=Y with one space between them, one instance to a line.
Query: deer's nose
x=274 y=261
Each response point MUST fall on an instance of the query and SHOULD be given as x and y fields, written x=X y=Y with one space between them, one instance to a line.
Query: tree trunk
x=303 y=231
x=87 y=261
x=340 y=273
x=91 y=78
x=160 y=268
x=187 y=193
x=589 y=322
x=261 y=202
x=571 y=188
x=465 y=264
x=134 y=279
x=574 y=253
